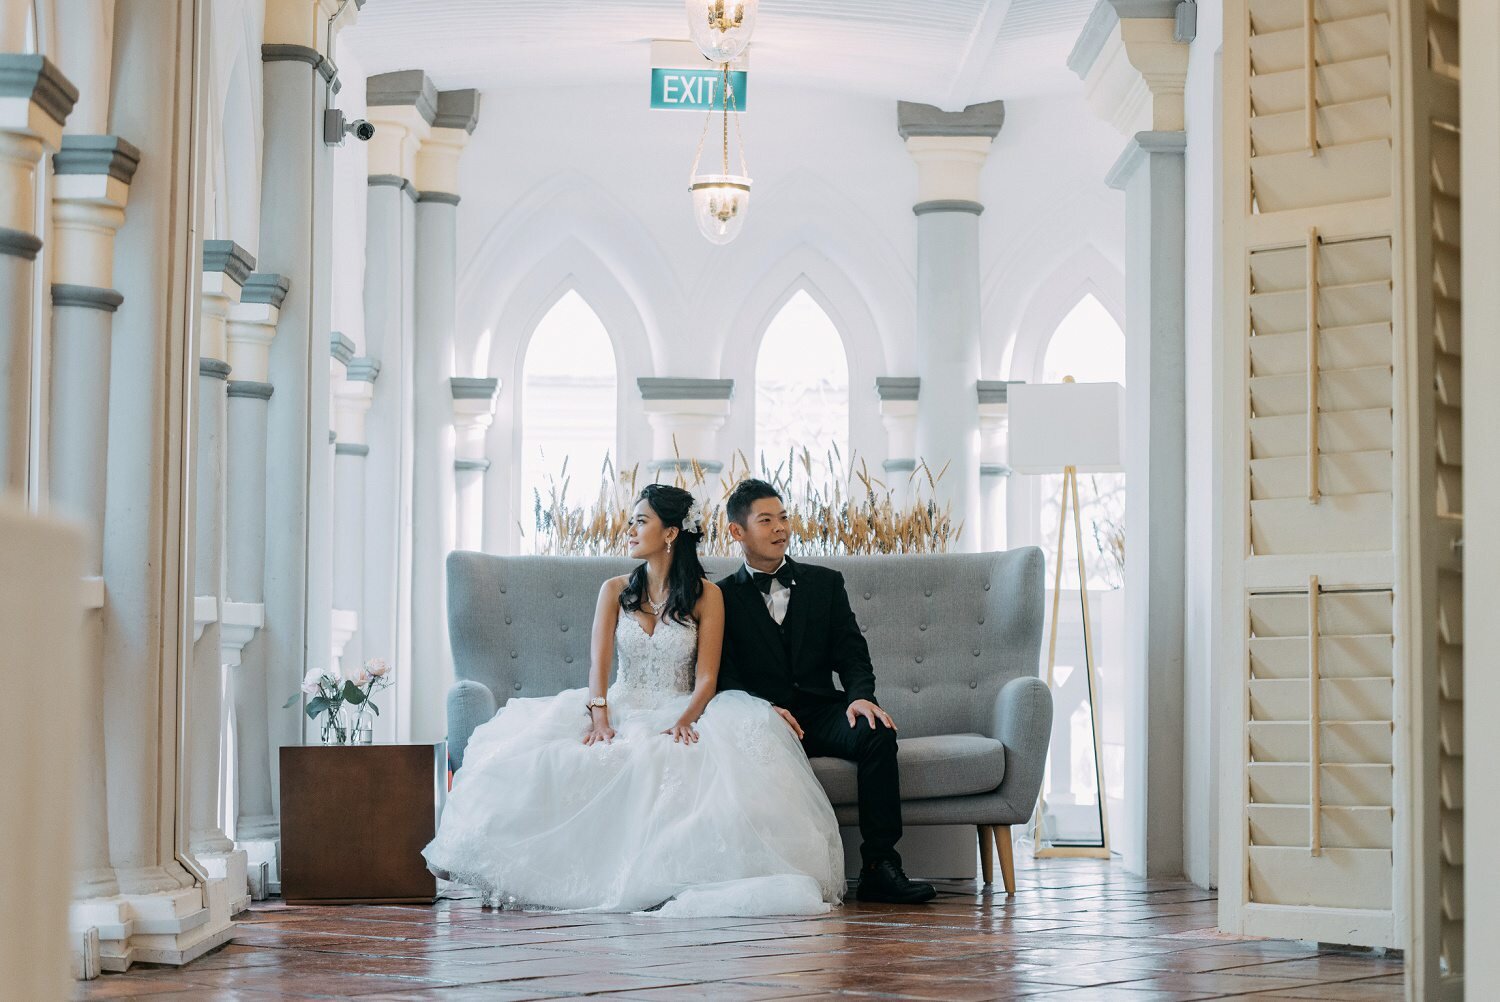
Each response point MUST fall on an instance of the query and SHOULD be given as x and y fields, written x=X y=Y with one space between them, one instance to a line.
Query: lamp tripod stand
x=1072 y=849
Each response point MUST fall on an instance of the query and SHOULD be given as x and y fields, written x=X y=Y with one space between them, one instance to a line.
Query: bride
x=653 y=791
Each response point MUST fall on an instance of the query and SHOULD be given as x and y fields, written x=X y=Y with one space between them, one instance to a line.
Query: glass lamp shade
x=720 y=202
x=721 y=28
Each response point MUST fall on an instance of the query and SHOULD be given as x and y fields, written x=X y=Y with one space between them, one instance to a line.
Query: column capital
x=95 y=169
x=1140 y=147
x=402 y=105
x=673 y=388
x=898 y=388
x=267 y=288
x=363 y=369
x=252 y=324
x=1132 y=58
x=46 y=97
x=340 y=347
x=976 y=121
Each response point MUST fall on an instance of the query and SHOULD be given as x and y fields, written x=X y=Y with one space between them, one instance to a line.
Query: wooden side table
x=354 y=821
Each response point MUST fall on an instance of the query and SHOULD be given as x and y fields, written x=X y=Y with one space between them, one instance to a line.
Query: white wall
x=586 y=187
x=1204 y=513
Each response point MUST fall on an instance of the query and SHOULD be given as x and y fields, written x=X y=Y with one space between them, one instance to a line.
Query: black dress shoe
x=885 y=882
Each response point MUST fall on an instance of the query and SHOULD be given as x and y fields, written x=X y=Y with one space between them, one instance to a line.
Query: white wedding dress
x=735 y=824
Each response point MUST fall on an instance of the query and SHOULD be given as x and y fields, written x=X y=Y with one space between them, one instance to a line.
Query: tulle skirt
x=734 y=824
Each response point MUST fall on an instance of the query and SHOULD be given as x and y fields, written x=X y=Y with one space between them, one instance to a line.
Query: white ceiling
x=945 y=52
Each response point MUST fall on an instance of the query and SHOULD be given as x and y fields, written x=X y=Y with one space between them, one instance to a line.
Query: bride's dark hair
x=685 y=575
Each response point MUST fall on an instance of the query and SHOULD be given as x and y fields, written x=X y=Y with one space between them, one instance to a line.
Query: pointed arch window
x=569 y=408
x=801 y=392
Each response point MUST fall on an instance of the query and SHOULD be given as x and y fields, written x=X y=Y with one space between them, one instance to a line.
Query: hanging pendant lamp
x=721 y=200
x=721 y=28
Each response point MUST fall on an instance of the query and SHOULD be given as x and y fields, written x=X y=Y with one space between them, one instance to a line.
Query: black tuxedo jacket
x=793 y=664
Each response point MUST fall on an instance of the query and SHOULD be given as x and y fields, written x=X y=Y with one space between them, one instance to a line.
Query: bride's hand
x=599 y=730
x=682 y=731
x=791 y=721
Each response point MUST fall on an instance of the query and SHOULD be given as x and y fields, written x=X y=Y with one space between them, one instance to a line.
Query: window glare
x=801 y=390
x=568 y=406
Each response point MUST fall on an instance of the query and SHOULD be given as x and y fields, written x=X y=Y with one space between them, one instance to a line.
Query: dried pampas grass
x=849 y=512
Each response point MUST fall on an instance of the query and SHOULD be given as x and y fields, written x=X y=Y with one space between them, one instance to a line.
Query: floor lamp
x=1069 y=427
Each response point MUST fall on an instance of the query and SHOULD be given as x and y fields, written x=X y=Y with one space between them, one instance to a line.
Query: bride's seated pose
x=656 y=790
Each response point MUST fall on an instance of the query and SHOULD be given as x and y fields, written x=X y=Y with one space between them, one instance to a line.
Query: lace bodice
x=654 y=665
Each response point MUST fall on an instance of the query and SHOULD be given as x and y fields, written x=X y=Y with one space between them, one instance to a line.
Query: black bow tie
x=763 y=580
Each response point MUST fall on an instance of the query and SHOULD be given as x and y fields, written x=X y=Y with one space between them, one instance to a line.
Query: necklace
x=656 y=607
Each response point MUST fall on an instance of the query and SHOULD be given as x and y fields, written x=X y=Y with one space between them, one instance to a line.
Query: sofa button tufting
x=986 y=586
x=559 y=594
x=976 y=652
x=507 y=620
x=919 y=659
x=973 y=684
x=502 y=589
x=568 y=660
x=922 y=626
x=929 y=593
x=512 y=654
x=867 y=594
x=565 y=627
x=517 y=687
x=981 y=620
x=916 y=688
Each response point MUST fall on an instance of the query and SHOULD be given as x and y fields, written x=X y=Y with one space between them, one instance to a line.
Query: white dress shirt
x=779 y=597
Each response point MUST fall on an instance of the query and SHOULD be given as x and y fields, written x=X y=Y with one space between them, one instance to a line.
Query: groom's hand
x=791 y=721
x=874 y=714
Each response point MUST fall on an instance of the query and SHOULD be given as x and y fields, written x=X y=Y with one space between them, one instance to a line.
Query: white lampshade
x=1053 y=425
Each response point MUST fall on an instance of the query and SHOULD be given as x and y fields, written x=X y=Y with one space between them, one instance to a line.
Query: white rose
x=312 y=682
x=377 y=667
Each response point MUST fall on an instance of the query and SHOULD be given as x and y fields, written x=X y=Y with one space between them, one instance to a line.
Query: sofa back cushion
x=945 y=631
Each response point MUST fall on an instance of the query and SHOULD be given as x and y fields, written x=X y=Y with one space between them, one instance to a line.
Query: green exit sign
x=695 y=89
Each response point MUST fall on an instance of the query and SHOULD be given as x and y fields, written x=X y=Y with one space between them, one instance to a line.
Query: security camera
x=335 y=127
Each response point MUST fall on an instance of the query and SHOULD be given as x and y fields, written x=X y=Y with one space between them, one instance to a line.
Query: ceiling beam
x=976 y=55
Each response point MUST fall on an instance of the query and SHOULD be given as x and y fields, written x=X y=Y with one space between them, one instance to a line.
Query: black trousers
x=826 y=731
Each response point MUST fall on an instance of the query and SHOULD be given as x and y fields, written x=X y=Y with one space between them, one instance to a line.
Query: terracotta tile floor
x=1078 y=930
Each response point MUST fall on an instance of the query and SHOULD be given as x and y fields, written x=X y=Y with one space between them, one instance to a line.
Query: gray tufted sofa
x=955 y=640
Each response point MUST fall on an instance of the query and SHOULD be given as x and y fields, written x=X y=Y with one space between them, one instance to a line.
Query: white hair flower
x=693 y=520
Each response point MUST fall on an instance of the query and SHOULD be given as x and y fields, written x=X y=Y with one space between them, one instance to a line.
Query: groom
x=788 y=629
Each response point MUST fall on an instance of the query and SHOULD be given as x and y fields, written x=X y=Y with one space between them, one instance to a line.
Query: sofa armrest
x=1023 y=724
x=469 y=705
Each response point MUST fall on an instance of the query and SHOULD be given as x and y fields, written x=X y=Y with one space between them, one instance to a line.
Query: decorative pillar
x=35 y=99
x=351 y=403
x=169 y=911
x=402 y=107
x=994 y=474
x=250 y=332
x=89 y=193
x=433 y=482
x=473 y=413
x=949 y=149
x=296 y=242
x=685 y=417
x=226 y=267
x=345 y=618
x=898 y=411
x=1133 y=69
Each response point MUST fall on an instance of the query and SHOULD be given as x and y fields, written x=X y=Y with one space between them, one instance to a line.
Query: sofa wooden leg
x=1001 y=835
x=986 y=853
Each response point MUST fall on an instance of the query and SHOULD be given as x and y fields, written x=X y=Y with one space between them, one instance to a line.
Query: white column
x=166 y=912
x=949 y=150
x=352 y=402
x=90 y=190
x=994 y=473
x=433 y=482
x=296 y=242
x=37 y=99
x=686 y=416
x=226 y=267
x=250 y=332
x=402 y=106
x=1133 y=69
x=473 y=414
x=898 y=412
